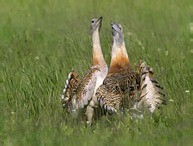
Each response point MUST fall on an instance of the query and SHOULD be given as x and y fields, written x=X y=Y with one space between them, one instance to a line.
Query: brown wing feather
x=79 y=88
x=73 y=79
x=83 y=90
x=116 y=86
x=76 y=86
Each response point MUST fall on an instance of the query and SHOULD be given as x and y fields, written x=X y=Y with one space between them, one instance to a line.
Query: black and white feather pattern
x=152 y=96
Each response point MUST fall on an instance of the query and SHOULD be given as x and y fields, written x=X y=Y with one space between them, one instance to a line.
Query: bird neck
x=98 y=58
x=119 y=59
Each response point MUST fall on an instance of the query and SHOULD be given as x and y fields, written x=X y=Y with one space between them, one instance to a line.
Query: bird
x=78 y=93
x=151 y=95
x=122 y=82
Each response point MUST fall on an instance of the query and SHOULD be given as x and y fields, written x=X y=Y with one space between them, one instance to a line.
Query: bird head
x=117 y=33
x=96 y=24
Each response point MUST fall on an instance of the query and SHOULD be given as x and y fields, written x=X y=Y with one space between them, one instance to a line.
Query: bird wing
x=72 y=80
x=84 y=89
x=115 y=89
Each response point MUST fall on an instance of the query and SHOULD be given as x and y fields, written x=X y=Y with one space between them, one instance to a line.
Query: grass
x=41 y=41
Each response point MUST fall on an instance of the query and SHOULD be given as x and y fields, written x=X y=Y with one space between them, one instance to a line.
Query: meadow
x=42 y=40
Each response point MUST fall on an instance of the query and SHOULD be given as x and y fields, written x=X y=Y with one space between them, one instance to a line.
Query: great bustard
x=79 y=92
x=121 y=80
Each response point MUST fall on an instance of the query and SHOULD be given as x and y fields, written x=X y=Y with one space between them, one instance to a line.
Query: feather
x=73 y=79
x=152 y=96
x=111 y=93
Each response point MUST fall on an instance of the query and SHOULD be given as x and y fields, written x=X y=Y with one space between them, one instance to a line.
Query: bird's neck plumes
x=98 y=58
x=119 y=59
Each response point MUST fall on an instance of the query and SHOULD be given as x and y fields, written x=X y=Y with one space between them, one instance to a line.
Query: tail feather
x=72 y=80
x=151 y=91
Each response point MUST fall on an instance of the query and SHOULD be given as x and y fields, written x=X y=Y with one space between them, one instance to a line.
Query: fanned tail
x=151 y=92
x=72 y=80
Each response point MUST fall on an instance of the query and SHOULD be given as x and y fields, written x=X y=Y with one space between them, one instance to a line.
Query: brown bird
x=79 y=92
x=121 y=82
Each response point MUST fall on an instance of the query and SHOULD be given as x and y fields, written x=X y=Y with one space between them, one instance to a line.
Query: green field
x=42 y=40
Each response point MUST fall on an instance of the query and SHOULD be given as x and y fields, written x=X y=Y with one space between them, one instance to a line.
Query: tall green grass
x=41 y=41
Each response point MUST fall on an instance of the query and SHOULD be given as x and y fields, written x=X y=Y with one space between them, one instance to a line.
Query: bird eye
x=92 y=21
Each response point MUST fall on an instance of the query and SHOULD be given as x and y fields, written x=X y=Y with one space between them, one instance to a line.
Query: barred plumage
x=115 y=88
x=79 y=94
x=121 y=81
x=152 y=96
x=72 y=80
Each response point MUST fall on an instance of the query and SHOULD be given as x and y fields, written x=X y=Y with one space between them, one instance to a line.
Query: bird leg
x=90 y=111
